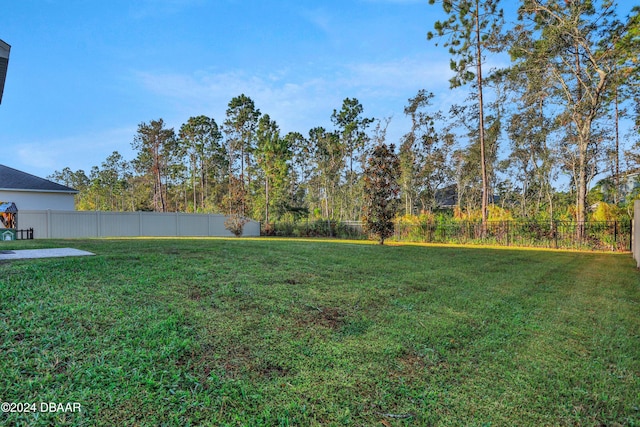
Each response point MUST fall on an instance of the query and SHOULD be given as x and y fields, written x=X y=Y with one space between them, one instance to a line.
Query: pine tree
x=473 y=27
x=156 y=147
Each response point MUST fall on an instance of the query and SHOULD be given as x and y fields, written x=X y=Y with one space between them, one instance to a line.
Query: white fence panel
x=252 y=228
x=72 y=224
x=159 y=224
x=120 y=224
x=36 y=220
x=64 y=224
x=216 y=227
x=193 y=225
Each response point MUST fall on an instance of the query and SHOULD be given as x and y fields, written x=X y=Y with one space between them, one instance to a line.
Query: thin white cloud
x=298 y=99
x=403 y=74
x=292 y=102
x=37 y=155
x=76 y=152
x=291 y=86
x=320 y=18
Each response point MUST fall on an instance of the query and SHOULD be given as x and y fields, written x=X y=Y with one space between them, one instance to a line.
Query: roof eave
x=26 y=190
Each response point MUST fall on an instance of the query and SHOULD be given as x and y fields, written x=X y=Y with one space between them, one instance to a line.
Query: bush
x=606 y=212
x=235 y=224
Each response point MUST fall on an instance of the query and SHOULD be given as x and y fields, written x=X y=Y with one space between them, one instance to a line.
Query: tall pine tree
x=473 y=27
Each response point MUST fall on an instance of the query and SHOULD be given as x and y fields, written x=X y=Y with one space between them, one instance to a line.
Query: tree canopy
x=531 y=137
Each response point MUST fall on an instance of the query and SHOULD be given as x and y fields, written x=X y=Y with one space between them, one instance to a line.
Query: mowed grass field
x=237 y=332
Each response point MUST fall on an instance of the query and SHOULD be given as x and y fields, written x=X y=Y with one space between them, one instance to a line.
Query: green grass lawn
x=154 y=332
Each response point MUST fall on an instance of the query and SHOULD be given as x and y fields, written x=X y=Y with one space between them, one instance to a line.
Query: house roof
x=447 y=197
x=15 y=180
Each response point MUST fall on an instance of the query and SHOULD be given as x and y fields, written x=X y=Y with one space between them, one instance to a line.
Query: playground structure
x=9 y=223
x=8 y=215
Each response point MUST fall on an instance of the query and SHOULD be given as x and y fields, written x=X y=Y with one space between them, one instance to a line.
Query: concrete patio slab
x=41 y=253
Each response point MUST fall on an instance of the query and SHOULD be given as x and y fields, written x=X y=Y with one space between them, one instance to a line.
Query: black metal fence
x=315 y=228
x=591 y=235
x=24 y=234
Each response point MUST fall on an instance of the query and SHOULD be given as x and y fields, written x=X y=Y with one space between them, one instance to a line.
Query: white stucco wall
x=35 y=200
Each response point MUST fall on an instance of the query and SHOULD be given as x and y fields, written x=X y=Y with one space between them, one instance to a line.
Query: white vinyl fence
x=71 y=224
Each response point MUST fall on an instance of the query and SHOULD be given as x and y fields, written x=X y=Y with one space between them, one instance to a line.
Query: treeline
x=554 y=115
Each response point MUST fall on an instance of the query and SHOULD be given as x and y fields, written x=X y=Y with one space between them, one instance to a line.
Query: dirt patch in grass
x=231 y=362
x=196 y=294
x=272 y=370
x=237 y=360
x=412 y=363
x=299 y=278
x=59 y=366
x=327 y=317
x=200 y=363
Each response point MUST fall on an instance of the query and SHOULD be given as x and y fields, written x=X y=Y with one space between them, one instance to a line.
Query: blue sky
x=83 y=74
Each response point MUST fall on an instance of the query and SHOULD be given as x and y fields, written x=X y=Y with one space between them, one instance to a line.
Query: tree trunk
x=242 y=179
x=617 y=177
x=483 y=163
x=193 y=183
x=581 y=186
x=266 y=204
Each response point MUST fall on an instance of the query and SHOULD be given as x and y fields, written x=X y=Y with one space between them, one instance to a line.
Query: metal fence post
x=507 y=222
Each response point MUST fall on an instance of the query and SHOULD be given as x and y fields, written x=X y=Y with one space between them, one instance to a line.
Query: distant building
x=30 y=192
x=447 y=197
x=629 y=182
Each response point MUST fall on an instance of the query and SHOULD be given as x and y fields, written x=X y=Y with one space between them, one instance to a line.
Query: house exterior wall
x=628 y=184
x=80 y=224
x=38 y=200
